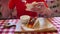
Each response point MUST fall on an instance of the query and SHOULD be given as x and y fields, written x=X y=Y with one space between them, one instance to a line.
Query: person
x=20 y=7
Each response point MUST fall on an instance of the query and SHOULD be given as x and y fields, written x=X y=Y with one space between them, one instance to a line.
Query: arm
x=11 y=7
x=11 y=10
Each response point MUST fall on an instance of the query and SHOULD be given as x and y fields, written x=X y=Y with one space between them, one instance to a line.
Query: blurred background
x=54 y=5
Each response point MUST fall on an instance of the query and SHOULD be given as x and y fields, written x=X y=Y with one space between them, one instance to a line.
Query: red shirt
x=20 y=7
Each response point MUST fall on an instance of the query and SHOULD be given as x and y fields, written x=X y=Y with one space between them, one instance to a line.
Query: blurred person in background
x=21 y=7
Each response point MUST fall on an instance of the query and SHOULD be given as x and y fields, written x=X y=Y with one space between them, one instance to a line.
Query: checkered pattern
x=55 y=21
x=7 y=30
x=39 y=33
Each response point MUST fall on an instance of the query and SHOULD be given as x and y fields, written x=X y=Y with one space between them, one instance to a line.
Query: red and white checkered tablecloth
x=55 y=21
x=7 y=30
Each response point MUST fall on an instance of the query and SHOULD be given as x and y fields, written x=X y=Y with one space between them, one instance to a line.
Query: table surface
x=54 y=20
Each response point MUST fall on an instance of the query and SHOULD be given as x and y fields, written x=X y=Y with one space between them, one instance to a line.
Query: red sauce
x=31 y=22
